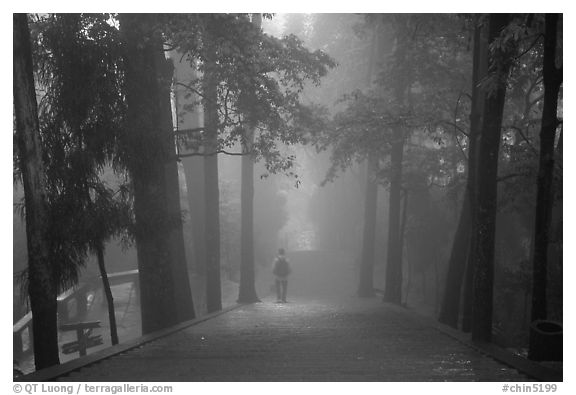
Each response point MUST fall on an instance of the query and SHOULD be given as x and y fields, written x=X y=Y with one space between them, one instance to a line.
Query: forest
x=425 y=147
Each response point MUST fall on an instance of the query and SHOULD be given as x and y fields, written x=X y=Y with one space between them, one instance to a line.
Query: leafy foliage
x=80 y=113
x=435 y=63
x=260 y=81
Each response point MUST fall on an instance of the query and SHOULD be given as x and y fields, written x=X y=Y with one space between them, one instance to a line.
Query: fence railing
x=72 y=305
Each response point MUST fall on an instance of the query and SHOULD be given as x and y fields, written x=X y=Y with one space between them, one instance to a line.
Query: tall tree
x=42 y=289
x=366 y=280
x=211 y=188
x=486 y=182
x=250 y=81
x=182 y=288
x=545 y=193
x=449 y=312
x=149 y=145
x=81 y=109
x=366 y=277
x=189 y=127
x=393 y=288
x=194 y=171
x=247 y=288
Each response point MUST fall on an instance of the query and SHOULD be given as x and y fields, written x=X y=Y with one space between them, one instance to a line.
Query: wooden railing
x=72 y=305
x=22 y=337
x=129 y=276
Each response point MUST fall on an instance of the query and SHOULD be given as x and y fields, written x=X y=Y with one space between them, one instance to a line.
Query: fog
x=369 y=185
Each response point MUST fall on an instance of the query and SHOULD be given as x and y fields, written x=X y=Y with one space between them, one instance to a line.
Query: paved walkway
x=347 y=339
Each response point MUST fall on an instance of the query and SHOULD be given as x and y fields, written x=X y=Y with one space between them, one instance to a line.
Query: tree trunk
x=247 y=292
x=194 y=171
x=486 y=189
x=188 y=117
x=42 y=289
x=366 y=285
x=212 y=194
x=164 y=286
x=545 y=191
x=467 y=292
x=182 y=289
x=449 y=310
x=456 y=278
x=402 y=240
x=107 y=294
x=393 y=290
x=366 y=270
x=479 y=72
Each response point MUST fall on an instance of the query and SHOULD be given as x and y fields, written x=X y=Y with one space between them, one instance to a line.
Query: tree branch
x=519 y=130
x=512 y=175
x=538 y=36
x=189 y=131
x=461 y=149
x=191 y=88
x=223 y=113
x=455 y=126
x=531 y=103
x=180 y=156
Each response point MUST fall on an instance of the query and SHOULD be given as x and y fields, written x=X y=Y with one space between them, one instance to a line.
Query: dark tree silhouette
x=486 y=184
x=42 y=289
x=211 y=189
x=250 y=91
x=151 y=160
x=366 y=276
x=77 y=66
x=366 y=281
x=108 y=295
x=188 y=119
x=545 y=192
x=247 y=290
x=393 y=288
x=454 y=288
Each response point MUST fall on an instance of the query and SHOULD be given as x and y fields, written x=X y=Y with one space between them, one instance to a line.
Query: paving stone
x=337 y=339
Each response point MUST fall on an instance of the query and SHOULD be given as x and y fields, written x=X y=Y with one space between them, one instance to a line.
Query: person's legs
x=284 y=289
x=278 y=291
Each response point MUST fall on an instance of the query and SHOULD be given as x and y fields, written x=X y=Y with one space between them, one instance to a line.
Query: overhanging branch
x=180 y=156
x=189 y=131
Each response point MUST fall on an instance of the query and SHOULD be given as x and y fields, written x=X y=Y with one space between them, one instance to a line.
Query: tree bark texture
x=366 y=270
x=366 y=284
x=405 y=199
x=486 y=188
x=180 y=270
x=42 y=290
x=545 y=191
x=194 y=170
x=458 y=282
x=164 y=286
x=211 y=189
x=188 y=117
x=108 y=294
x=449 y=310
x=480 y=70
x=393 y=290
x=247 y=292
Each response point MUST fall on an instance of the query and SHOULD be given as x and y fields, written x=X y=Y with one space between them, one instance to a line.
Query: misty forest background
x=427 y=147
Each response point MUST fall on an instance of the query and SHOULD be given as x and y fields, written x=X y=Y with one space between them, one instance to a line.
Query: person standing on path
x=281 y=272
